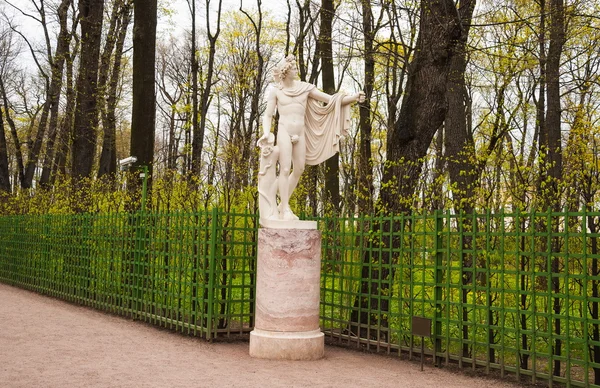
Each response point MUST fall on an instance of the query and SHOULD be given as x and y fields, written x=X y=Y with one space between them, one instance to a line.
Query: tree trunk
x=144 y=96
x=248 y=158
x=332 y=165
x=4 y=173
x=553 y=148
x=54 y=85
x=66 y=127
x=424 y=105
x=541 y=102
x=306 y=22
x=194 y=69
x=108 y=157
x=365 y=187
x=460 y=146
x=422 y=113
x=14 y=134
x=198 y=135
x=62 y=50
x=86 y=113
x=553 y=113
x=437 y=191
x=459 y=142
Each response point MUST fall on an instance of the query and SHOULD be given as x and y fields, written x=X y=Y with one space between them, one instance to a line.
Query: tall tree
x=109 y=79
x=173 y=72
x=143 y=115
x=46 y=126
x=86 y=112
x=257 y=88
x=198 y=135
x=365 y=163
x=459 y=141
x=306 y=24
x=6 y=58
x=552 y=138
x=194 y=69
x=62 y=49
x=552 y=146
x=325 y=46
x=65 y=133
x=460 y=145
x=6 y=47
x=421 y=114
x=4 y=173
x=424 y=104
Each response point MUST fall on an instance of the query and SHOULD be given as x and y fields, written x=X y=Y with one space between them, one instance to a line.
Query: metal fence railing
x=512 y=292
x=516 y=293
x=192 y=272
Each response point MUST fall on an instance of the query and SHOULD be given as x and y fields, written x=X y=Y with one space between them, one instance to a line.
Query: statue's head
x=284 y=68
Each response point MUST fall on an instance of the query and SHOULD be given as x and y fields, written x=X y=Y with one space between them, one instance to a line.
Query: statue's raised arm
x=310 y=126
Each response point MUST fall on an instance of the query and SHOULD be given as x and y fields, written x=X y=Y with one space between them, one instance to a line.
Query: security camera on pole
x=125 y=165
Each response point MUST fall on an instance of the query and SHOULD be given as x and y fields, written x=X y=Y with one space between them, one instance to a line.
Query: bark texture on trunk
x=424 y=105
x=86 y=112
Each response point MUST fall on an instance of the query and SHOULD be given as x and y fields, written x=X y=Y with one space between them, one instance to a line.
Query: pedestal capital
x=283 y=224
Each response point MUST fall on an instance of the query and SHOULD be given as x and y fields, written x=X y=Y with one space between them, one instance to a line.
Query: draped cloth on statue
x=324 y=124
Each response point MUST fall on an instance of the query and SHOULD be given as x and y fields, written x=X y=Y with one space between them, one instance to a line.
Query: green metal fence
x=189 y=272
x=512 y=292
x=515 y=293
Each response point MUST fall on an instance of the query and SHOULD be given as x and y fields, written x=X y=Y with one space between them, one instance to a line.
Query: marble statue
x=310 y=126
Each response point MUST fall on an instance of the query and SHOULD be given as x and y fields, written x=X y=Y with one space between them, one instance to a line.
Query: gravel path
x=45 y=342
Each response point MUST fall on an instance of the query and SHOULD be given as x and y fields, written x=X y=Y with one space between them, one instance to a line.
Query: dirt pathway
x=49 y=343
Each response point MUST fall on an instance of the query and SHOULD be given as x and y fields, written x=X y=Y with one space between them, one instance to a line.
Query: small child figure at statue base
x=267 y=179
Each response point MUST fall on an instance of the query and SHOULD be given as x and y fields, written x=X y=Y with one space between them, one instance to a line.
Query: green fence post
x=439 y=275
x=137 y=265
x=211 y=273
x=586 y=295
x=144 y=176
x=549 y=312
x=139 y=246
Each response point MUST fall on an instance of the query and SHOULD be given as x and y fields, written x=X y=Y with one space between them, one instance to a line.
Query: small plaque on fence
x=421 y=326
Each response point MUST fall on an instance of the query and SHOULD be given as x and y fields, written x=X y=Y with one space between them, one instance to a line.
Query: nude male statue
x=308 y=131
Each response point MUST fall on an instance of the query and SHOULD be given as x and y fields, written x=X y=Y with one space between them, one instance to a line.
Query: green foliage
x=170 y=193
x=503 y=84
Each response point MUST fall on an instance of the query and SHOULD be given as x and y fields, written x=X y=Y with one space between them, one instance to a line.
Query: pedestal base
x=274 y=345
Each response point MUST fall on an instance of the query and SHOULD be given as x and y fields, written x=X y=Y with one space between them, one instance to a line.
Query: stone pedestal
x=287 y=293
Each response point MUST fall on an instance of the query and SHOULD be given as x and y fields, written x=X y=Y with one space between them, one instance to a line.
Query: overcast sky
x=181 y=15
x=178 y=19
x=174 y=22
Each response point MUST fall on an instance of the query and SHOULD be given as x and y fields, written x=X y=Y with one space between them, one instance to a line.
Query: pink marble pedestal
x=287 y=293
